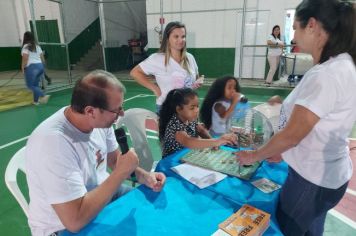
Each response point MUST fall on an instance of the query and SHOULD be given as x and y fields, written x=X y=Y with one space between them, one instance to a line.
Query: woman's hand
x=199 y=82
x=157 y=91
x=246 y=157
x=275 y=158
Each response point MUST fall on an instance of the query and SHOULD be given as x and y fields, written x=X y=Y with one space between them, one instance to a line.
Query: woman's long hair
x=175 y=98
x=337 y=19
x=215 y=93
x=166 y=48
x=29 y=39
x=279 y=35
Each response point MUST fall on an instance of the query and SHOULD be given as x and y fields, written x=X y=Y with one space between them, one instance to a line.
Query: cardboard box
x=247 y=221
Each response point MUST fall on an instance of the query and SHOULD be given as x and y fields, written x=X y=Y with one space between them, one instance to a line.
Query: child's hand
x=229 y=139
x=274 y=100
x=236 y=97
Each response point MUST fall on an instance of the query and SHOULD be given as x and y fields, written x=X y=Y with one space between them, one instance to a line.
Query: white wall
x=10 y=34
x=124 y=20
x=209 y=23
x=218 y=24
x=78 y=14
x=15 y=19
x=50 y=11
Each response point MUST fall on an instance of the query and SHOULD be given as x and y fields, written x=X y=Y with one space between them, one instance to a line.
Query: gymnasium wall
x=214 y=31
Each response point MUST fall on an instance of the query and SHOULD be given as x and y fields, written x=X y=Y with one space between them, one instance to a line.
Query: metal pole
x=161 y=17
x=65 y=41
x=103 y=30
x=255 y=36
x=242 y=37
x=17 y=22
x=33 y=18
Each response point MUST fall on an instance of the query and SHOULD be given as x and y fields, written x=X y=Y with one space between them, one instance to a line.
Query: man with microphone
x=67 y=157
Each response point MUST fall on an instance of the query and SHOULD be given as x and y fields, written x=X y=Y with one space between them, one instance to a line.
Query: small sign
x=161 y=20
x=42 y=17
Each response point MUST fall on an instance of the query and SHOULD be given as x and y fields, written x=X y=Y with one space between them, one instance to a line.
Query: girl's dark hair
x=29 y=39
x=337 y=19
x=279 y=35
x=176 y=97
x=215 y=93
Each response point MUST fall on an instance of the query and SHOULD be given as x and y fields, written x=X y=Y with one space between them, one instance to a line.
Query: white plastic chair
x=16 y=163
x=135 y=121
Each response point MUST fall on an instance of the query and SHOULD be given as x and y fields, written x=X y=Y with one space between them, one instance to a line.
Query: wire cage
x=252 y=127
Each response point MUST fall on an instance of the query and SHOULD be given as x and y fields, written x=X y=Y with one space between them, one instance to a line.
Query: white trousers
x=273 y=63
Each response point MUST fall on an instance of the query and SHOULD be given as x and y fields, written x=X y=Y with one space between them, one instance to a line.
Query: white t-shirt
x=62 y=164
x=33 y=57
x=171 y=76
x=220 y=125
x=274 y=51
x=328 y=90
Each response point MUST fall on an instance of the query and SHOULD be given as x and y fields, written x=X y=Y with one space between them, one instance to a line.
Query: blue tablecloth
x=184 y=209
x=238 y=190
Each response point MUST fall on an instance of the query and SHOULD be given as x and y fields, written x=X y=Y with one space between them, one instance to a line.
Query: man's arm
x=77 y=213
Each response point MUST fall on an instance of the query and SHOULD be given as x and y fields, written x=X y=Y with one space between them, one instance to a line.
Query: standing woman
x=316 y=119
x=275 y=46
x=173 y=67
x=32 y=67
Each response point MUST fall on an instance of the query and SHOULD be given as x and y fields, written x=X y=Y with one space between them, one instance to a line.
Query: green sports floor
x=17 y=124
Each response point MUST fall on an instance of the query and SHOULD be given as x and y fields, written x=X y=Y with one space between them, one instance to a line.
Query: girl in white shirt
x=173 y=67
x=275 y=46
x=32 y=67
x=219 y=104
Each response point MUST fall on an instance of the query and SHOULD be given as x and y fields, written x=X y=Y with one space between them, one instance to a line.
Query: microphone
x=122 y=140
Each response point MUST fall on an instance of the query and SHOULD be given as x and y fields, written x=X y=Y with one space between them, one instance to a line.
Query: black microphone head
x=120 y=133
x=122 y=140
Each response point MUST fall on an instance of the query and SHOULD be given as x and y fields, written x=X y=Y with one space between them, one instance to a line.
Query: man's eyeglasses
x=118 y=112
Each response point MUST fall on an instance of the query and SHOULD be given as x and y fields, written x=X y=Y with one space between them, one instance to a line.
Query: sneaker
x=35 y=103
x=44 y=99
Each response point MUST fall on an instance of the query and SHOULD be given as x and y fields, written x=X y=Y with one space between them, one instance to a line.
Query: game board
x=220 y=160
